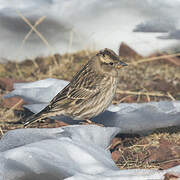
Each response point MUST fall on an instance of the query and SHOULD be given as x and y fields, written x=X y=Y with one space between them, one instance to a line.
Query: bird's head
x=110 y=62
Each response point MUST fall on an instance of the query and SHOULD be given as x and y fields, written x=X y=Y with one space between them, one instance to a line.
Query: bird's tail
x=45 y=113
x=34 y=118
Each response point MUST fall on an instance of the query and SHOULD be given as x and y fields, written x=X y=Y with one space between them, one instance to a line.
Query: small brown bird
x=89 y=93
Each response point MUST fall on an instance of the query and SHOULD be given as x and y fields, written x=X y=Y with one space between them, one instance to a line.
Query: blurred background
x=67 y=26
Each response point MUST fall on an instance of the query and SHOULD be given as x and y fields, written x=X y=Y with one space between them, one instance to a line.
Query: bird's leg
x=86 y=122
x=89 y=122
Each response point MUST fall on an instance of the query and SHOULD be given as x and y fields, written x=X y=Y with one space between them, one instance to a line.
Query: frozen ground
x=72 y=153
x=73 y=25
x=46 y=153
x=130 y=118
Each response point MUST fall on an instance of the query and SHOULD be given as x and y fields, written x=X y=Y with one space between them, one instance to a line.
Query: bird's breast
x=97 y=104
x=109 y=91
x=106 y=96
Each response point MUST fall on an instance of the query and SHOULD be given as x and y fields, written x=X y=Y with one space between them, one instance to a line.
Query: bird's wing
x=82 y=93
x=70 y=94
x=79 y=88
x=61 y=95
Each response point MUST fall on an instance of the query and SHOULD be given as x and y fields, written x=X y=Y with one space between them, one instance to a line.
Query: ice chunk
x=59 y=152
x=130 y=117
x=41 y=91
x=71 y=152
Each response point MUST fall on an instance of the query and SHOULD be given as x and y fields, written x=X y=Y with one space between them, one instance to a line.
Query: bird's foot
x=89 y=122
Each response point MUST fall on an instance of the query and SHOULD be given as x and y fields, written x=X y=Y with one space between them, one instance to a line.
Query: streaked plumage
x=89 y=93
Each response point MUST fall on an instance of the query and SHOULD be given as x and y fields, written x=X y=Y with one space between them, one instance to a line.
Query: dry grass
x=167 y=56
x=156 y=151
x=150 y=81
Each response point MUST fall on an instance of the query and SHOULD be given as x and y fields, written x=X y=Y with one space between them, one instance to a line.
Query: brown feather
x=89 y=93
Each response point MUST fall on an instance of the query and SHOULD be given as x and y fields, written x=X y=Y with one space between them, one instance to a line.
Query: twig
x=70 y=40
x=122 y=99
x=171 y=160
x=13 y=107
x=143 y=93
x=2 y=133
x=139 y=96
x=154 y=59
x=18 y=69
x=40 y=20
x=147 y=95
x=170 y=96
x=38 y=33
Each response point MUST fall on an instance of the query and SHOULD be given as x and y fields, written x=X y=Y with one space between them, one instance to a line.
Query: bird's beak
x=121 y=64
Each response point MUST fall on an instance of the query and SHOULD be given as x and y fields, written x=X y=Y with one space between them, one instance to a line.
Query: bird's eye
x=111 y=63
